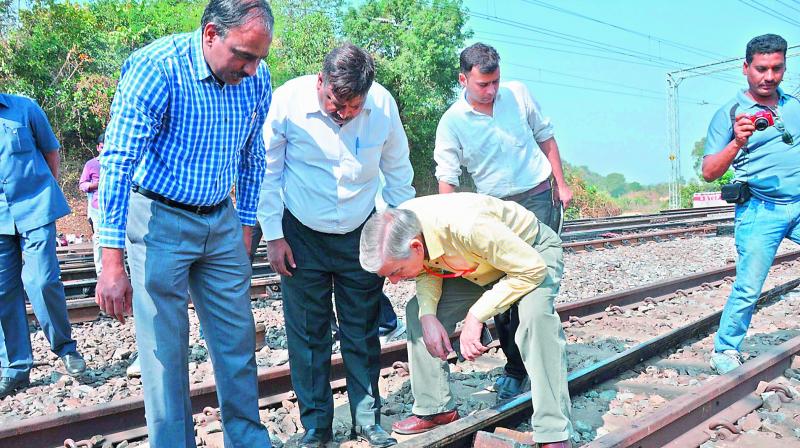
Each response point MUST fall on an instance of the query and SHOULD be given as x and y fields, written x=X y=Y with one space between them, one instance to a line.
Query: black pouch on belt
x=737 y=192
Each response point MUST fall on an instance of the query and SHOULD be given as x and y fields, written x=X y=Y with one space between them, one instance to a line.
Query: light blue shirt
x=29 y=194
x=176 y=131
x=500 y=151
x=770 y=166
x=327 y=175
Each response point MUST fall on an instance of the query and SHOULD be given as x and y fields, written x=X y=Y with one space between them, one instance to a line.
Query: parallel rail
x=124 y=419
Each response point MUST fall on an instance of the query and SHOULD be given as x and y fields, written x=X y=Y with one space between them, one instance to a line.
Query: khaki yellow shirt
x=495 y=237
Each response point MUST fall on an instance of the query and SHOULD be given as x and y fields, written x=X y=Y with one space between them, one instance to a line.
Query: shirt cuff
x=111 y=237
x=483 y=311
x=247 y=218
x=427 y=307
x=452 y=180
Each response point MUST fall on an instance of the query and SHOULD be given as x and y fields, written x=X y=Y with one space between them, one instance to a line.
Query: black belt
x=541 y=188
x=199 y=209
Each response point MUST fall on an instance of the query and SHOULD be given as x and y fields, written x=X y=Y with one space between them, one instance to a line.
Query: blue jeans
x=760 y=228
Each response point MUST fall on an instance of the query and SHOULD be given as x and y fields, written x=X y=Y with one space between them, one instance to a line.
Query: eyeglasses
x=785 y=135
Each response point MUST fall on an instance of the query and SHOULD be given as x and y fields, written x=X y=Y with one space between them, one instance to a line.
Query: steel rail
x=461 y=432
x=684 y=418
x=627 y=240
x=128 y=414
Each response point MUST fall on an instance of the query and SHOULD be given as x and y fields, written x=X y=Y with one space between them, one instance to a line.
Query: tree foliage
x=415 y=44
x=67 y=55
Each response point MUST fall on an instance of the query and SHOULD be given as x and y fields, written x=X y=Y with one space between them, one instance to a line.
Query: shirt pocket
x=19 y=138
x=362 y=165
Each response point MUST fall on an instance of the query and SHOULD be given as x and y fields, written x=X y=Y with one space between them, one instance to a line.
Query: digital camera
x=761 y=119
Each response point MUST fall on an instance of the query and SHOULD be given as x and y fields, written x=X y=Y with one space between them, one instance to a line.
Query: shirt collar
x=3 y=100
x=466 y=107
x=201 y=69
x=432 y=244
x=745 y=101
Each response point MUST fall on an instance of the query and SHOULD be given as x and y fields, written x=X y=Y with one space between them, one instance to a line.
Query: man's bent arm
x=715 y=165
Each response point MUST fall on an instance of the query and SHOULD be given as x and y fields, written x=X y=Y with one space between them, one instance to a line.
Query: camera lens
x=761 y=123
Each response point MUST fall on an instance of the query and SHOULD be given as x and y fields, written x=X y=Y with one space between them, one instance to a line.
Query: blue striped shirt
x=176 y=131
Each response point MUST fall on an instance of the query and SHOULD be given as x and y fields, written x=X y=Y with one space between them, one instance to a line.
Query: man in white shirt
x=498 y=132
x=328 y=137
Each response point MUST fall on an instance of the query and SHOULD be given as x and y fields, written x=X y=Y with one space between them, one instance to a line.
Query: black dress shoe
x=374 y=434
x=315 y=438
x=74 y=363
x=9 y=385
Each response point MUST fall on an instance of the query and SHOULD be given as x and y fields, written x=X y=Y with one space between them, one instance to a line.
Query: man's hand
x=437 y=341
x=563 y=194
x=113 y=292
x=471 y=347
x=279 y=253
x=247 y=235
x=743 y=128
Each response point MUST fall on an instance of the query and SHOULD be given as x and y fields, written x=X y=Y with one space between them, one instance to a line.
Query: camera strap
x=739 y=160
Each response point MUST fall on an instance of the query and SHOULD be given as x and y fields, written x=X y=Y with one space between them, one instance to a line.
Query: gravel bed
x=108 y=345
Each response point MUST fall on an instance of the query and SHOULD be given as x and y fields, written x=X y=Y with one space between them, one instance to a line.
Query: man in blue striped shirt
x=184 y=128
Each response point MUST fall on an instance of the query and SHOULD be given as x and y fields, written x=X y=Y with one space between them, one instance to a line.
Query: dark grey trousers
x=328 y=262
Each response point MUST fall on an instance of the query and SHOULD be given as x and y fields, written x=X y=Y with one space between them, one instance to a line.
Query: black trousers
x=328 y=262
x=507 y=322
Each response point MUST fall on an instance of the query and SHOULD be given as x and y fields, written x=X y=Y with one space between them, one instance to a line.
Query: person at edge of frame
x=766 y=166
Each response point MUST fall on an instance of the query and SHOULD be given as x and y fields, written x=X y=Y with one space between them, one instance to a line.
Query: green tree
x=697 y=156
x=304 y=33
x=415 y=44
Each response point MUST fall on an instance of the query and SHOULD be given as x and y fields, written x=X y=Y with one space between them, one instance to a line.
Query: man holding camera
x=473 y=257
x=758 y=133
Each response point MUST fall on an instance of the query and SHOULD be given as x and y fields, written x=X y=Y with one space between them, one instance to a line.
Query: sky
x=598 y=69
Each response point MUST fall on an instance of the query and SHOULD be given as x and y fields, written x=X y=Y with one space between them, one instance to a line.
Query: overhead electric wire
x=600 y=46
x=788 y=6
x=772 y=13
x=672 y=43
x=585 y=78
x=593 y=89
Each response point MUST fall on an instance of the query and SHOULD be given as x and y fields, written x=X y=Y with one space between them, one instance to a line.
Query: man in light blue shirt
x=768 y=161
x=30 y=203
x=328 y=137
x=185 y=127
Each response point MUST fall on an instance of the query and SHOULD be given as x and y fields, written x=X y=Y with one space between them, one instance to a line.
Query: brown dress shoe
x=422 y=423
x=562 y=444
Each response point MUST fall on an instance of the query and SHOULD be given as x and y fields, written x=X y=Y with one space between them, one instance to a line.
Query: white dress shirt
x=327 y=175
x=501 y=151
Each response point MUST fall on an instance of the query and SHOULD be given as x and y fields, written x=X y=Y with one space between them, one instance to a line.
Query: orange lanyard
x=448 y=275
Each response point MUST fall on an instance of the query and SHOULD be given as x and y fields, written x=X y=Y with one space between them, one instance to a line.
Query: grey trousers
x=171 y=251
x=540 y=338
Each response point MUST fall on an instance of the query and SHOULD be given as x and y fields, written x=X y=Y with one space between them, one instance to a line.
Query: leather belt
x=541 y=188
x=198 y=209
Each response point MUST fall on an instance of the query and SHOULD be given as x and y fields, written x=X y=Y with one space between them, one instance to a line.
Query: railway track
x=124 y=419
x=79 y=282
